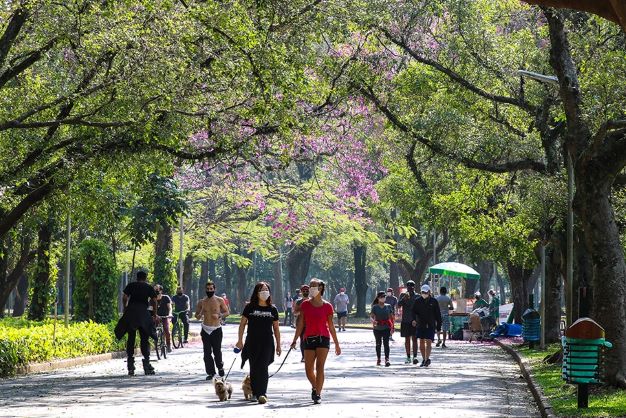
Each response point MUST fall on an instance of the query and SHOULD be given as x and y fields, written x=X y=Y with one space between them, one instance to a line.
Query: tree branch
x=30 y=59
x=18 y=18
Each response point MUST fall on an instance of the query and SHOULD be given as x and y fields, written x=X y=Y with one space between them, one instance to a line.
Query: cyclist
x=181 y=307
x=164 y=311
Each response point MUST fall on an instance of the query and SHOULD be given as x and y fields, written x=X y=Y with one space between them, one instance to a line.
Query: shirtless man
x=212 y=309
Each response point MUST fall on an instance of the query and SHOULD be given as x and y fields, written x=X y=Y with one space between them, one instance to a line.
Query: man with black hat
x=407 y=329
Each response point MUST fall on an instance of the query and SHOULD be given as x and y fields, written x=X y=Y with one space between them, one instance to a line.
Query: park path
x=464 y=380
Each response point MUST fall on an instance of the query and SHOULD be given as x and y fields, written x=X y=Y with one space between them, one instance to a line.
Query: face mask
x=210 y=293
x=313 y=291
x=424 y=295
x=381 y=300
x=264 y=294
x=389 y=293
x=179 y=293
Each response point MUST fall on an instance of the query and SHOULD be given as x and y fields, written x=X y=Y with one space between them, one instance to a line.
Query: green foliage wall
x=96 y=283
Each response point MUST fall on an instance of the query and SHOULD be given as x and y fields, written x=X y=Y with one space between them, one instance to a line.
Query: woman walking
x=317 y=321
x=382 y=321
x=261 y=317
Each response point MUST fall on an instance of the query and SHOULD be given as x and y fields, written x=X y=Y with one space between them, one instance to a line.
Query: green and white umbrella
x=454 y=270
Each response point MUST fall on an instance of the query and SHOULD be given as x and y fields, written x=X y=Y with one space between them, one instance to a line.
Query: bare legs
x=314 y=361
x=425 y=348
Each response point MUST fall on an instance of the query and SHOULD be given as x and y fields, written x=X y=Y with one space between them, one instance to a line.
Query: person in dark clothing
x=182 y=306
x=382 y=315
x=427 y=321
x=304 y=292
x=261 y=317
x=164 y=311
x=407 y=329
x=137 y=297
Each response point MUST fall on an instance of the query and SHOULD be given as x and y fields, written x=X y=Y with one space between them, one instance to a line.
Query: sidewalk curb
x=49 y=366
x=535 y=389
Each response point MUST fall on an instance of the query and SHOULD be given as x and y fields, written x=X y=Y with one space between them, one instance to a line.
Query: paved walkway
x=464 y=380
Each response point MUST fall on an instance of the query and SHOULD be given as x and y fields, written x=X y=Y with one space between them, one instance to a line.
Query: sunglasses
x=424 y=293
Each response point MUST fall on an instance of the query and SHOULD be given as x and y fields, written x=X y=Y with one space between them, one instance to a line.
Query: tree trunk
x=360 y=279
x=164 y=270
x=485 y=268
x=597 y=160
x=242 y=287
x=277 y=291
x=228 y=280
x=213 y=275
x=297 y=263
x=187 y=271
x=554 y=278
x=21 y=296
x=40 y=302
x=519 y=278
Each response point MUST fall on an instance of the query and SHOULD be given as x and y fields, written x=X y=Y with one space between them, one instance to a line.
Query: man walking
x=212 y=309
x=407 y=329
x=427 y=320
x=445 y=306
x=341 y=307
x=182 y=306
x=137 y=297
x=288 y=308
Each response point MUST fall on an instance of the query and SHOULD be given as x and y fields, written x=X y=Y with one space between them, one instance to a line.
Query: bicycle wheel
x=157 y=344
x=176 y=341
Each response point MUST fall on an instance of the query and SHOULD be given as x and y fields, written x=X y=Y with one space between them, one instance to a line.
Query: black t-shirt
x=260 y=320
x=162 y=309
x=180 y=302
x=140 y=293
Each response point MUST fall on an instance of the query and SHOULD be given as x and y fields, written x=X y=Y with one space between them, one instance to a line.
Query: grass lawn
x=603 y=401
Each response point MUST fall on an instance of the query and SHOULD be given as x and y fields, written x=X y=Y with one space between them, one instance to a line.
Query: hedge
x=23 y=342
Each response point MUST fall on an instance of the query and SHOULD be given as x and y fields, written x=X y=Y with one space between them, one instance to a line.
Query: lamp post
x=181 y=236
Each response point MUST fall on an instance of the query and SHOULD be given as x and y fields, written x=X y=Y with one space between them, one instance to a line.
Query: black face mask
x=210 y=293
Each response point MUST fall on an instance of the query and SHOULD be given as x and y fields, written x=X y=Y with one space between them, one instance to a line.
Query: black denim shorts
x=318 y=341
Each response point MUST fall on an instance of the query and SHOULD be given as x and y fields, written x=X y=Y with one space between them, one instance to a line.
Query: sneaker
x=423 y=363
x=408 y=360
x=221 y=372
x=387 y=364
x=317 y=400
x=169 y=349
x=438 y=344
x=210 y=377
x=378 y=362
x=302 y=360
x=313 y=394
x=414 y=360
x=391 y=339
x=443 y=345
x=427 y=363
x=262 y=399
x=185 y=342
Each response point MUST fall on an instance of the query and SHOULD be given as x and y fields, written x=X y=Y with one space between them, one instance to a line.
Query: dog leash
x=236 y=351
x=281 y=364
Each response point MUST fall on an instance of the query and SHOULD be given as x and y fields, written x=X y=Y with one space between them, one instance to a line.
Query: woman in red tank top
x=317 y=320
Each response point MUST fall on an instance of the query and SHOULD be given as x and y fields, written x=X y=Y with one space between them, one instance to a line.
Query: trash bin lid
x=585 y=328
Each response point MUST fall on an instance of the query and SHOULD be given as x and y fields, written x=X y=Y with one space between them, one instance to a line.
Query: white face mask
x=313 y=291
x=389 y=293
x=264 y=294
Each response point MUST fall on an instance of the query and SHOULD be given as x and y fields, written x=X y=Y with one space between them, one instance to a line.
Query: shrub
x=32 y=341
x=96 y=283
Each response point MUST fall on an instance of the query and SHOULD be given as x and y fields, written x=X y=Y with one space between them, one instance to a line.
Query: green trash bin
x=583 y=359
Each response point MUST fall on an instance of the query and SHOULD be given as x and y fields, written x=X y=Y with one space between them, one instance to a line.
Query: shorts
x=317 y=341
x=426 y=333
x=407 y=329
x=445 y=322
x=342 y=314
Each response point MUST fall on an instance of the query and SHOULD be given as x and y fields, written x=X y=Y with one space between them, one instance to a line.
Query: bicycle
x=159 y=344
x=177 y=329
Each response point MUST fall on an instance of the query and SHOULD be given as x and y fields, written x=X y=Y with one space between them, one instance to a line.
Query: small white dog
x=223 y=390
x=247 y=388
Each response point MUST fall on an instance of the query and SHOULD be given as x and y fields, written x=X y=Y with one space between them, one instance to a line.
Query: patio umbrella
x=455 y=270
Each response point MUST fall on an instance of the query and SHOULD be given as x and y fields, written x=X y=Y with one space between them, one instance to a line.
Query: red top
x=316 y=318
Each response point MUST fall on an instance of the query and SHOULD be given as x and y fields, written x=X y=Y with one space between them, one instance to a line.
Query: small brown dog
x=247 y=388
x=223 y=390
